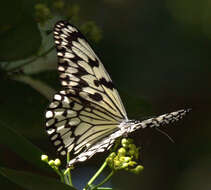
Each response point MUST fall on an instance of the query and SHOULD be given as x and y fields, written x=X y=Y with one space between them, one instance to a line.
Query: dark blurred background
x=158 y=55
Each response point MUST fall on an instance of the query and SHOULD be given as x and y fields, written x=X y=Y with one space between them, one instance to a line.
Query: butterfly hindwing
x=74 y=124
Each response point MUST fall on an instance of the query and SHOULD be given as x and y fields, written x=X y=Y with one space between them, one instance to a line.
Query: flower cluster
x=52 y=163
x=92 y=30
x=125 y=158
x=58 y=4
x=42 y=13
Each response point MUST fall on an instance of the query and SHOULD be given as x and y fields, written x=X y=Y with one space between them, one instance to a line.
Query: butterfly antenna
x=164 y=133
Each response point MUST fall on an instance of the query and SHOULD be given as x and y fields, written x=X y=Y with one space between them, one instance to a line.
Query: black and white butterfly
x=88 y=115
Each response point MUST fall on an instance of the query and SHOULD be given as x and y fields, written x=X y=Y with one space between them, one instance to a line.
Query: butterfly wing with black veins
x=89 y=107
x=88 y=115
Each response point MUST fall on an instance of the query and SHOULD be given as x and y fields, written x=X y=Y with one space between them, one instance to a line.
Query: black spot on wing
x=96 y=96
x=82 y=83
x=62 y=50
x=81 y=72
x=94 y=63
x=71 y=104
x=64 y=64
x=106 y=83
x=96 y=82
x=65 y=113
x=73 y=37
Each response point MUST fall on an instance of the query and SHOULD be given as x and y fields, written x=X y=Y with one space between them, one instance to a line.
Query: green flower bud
x=132 y=163
x=132 y=147
x=44 y=158
x=109 y=160
x=57 y=162
x=131 y=152
x=117 y=163
x=122 y=152
x=112 y=155
x=121 y=158
x=125 y=165
x=125 y=159
x=124 y=142
x=51 y=163
x=138 y=169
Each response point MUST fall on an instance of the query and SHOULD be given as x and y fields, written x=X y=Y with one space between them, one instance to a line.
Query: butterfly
x=87 y=115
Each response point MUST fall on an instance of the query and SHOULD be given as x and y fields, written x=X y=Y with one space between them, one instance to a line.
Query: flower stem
x=68 y=173
x=104 y=181
x=33 y=59
x=60 y=175
x=96 y=174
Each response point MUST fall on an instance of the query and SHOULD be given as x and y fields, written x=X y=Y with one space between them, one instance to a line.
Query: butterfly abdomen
x=160 y=120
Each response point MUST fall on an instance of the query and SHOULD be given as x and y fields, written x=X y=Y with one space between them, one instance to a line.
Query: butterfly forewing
x=82 y=72
x=89 y=108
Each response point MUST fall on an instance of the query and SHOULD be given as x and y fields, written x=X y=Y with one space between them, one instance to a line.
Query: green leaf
x=20 y=41
x=22 y=147
x=19 y=34
x=32 y=181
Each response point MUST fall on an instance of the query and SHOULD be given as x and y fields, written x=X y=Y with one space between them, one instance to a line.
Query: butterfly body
x=88 y=115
